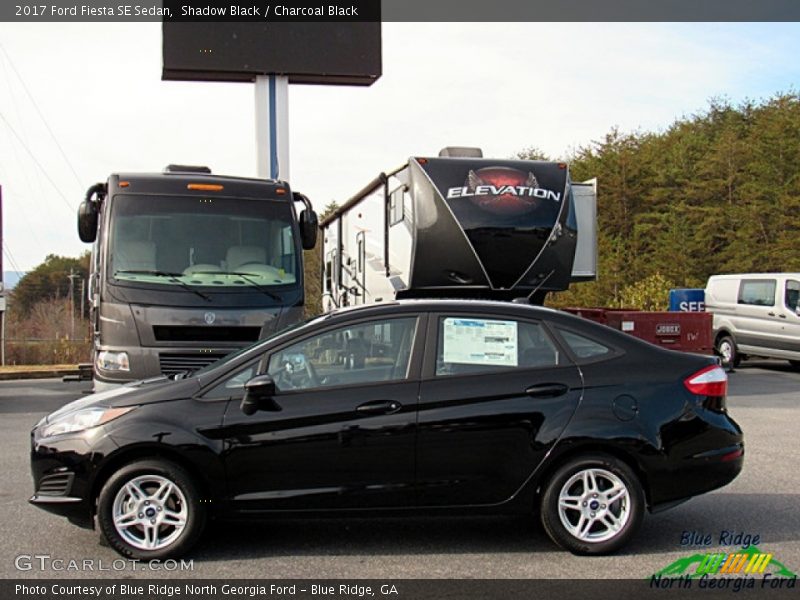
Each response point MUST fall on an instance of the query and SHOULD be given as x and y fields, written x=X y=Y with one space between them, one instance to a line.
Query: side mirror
x=87 y=221
x=309 y=223
x=258 y=395
x=309 y=226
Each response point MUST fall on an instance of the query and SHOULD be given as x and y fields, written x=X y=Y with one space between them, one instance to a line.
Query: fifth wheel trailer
x=460 y=225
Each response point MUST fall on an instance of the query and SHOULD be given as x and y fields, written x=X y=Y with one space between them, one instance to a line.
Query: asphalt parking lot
x=764 y=398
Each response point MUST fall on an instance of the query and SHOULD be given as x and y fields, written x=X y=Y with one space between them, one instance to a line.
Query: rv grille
x=182 y=333
x=172 y=364
x=57 y=484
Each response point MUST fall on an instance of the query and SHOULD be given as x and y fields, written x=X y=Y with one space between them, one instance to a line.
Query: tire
x=727 y=349
x=574 y=528
x=165 y=491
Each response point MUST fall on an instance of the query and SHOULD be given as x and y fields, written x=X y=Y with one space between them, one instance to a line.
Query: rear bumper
x=697 y=475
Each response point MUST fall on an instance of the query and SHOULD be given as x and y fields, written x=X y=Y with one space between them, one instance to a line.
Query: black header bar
x=400 y=10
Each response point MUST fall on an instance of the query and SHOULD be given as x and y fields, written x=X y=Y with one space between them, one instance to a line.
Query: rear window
x=757 y=292
x=583 y=347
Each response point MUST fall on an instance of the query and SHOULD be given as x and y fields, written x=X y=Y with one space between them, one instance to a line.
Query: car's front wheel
x=150 y=509
x=592 y=505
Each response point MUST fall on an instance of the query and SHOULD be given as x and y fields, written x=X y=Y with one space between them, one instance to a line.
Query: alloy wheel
x=150 y=512
x=594 y=505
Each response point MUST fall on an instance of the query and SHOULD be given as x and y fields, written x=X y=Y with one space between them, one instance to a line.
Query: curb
x=44 y=374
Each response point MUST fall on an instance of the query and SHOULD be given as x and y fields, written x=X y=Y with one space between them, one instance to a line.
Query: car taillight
x=710 y=381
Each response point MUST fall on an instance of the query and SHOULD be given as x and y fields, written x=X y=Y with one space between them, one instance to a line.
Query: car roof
x=434 y=304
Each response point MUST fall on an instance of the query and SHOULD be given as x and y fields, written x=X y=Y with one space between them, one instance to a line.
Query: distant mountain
x=10 y=279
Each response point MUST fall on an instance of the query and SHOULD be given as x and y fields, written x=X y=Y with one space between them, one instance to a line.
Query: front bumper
x=63 y=469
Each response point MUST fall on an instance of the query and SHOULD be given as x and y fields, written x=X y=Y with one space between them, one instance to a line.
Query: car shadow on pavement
x=771 y=516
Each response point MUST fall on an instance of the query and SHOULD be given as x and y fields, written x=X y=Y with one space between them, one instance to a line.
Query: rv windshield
x=186 y=241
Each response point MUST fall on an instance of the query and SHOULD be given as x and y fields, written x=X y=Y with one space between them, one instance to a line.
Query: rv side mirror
x=87 y=221
x=309 y=226
x=258 y=395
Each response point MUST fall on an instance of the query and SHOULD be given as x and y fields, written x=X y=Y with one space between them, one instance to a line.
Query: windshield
x=185 y=241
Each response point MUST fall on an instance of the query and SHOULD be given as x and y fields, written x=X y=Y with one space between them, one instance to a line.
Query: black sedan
x=399 y=407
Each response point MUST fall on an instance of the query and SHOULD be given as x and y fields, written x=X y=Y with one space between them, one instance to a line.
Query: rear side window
x=583 y=347
x=757 y=292
x=792 y=294
x=470 y=345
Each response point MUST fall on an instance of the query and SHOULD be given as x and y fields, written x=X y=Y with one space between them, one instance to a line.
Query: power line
x=36 y=162
x=41 y=115
x=10 y=257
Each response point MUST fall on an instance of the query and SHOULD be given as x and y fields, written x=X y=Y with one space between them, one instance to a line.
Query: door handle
x=547 y=390
x=782 y=316
x=770 y=314
x=379 y=407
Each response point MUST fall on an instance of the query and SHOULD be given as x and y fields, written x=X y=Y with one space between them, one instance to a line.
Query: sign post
x=272 y=126
x=272 y=55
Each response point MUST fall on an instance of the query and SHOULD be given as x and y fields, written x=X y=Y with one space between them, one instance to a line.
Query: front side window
x=232 y=386
x=369 y=352
x=195 y=241
x=470 y=345
x=757 y=292
x=792 y=294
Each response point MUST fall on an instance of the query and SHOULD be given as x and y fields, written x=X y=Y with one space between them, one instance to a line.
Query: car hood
x=147 y=391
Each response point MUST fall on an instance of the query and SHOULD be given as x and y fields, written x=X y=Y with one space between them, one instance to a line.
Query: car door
x=496 y=394
x=758 y=326
x=340 y=432
x=790 y=317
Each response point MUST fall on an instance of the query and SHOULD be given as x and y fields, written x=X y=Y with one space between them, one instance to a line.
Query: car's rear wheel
x=726 y=348
x=150 y=509
x=592 y=505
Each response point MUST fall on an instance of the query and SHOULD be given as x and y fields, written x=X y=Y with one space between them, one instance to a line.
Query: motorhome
x=188 y=266
x=461 y=226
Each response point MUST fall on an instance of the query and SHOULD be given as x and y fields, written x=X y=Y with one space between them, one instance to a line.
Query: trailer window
x=757 y=292
x=396 y=208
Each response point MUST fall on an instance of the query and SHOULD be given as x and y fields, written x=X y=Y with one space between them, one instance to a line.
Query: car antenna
x=527 y=299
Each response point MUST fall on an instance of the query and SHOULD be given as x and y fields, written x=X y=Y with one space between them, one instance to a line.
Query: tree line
x=715 y=192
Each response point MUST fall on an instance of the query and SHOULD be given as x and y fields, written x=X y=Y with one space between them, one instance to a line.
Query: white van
x=755 y=314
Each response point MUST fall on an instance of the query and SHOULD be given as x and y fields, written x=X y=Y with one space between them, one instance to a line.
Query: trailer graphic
x=461 y=226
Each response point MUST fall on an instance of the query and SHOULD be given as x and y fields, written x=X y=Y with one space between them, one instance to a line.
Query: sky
x=80 y=101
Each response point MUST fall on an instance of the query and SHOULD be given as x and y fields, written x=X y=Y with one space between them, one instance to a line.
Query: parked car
x=755 y=314
x=408 y=406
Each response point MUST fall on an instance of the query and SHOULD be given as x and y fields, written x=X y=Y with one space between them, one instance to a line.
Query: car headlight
x=83 y=419
x=112 y=361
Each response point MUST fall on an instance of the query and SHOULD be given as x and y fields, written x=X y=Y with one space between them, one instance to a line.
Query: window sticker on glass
x=480 y=342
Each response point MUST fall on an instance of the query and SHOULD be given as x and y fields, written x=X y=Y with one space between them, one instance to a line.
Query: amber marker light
x=205 y=187
x=124 y=183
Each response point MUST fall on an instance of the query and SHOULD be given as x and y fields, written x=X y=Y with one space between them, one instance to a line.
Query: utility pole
x=83 y=295
x=71 y=278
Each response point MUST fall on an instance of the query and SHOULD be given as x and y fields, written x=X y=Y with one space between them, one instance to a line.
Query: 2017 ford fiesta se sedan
x=409 y=406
